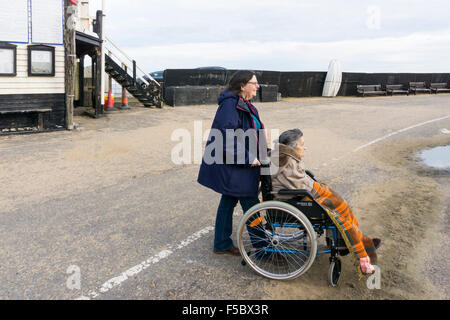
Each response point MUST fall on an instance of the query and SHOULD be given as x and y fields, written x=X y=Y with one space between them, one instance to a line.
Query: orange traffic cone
x=124 y=100
x=109 y=105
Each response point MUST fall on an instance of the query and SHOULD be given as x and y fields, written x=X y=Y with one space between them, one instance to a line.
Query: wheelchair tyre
x=278 y=246
x=334 y=272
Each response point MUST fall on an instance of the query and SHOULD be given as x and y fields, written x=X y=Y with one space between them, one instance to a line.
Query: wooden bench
x=364 y=89
x=418 y=87
x=39 y=110
x=396 y=88
x=439 y=87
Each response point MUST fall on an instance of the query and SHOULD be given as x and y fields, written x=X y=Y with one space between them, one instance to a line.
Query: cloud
x=375 y=36
x=179 y=21
x=418 y=52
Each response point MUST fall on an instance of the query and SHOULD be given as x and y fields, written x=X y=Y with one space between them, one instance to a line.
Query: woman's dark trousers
x=224 y=219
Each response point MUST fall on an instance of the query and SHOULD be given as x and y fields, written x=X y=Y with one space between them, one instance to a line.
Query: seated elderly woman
x=290 y=174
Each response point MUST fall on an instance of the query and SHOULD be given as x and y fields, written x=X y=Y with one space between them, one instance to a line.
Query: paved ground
x=107 y=199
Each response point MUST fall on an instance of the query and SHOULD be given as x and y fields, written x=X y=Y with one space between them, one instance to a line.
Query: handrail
x=126 y=56
x=149 y=76
x=123 y=62
x=120 y=50
x=126 y=65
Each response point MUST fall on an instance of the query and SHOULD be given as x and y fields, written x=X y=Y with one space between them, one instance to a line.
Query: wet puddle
x=437 y=158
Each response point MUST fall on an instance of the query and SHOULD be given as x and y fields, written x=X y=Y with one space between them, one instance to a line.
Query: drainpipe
x=69 y=61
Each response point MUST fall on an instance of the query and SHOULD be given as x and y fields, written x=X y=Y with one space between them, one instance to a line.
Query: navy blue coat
x=238 y=178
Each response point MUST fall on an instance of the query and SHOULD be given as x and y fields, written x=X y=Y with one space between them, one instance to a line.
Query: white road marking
x=399 y=131
x=133 y=271
x=387 y=136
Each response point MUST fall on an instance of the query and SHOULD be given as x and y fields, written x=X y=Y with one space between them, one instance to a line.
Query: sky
x=282 y=35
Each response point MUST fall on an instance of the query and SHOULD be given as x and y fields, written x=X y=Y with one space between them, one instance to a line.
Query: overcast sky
x=283 y=35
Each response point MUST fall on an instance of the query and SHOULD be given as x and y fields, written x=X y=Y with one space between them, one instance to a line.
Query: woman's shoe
x=233 y=251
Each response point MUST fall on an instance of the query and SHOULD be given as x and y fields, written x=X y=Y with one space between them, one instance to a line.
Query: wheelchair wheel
x=277 y=240
x=334 y=272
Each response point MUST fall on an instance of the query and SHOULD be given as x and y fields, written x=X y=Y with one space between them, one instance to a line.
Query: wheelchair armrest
x=295 y=192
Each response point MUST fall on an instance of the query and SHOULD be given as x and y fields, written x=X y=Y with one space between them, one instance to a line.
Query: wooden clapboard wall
x=24 y=84
x=24 y=92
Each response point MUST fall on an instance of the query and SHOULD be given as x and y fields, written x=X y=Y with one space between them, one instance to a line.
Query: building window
x=8 y=59
x=41 y=60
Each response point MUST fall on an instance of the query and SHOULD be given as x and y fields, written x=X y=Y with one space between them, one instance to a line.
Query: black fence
x=351 y=80
x=289 y=84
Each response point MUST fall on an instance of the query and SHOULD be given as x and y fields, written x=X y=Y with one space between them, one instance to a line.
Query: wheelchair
x=278 y=238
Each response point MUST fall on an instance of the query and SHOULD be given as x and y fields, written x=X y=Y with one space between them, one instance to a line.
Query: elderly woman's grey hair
x=290 y=137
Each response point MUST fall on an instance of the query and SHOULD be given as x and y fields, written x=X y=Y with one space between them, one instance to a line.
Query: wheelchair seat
x=304 y=201
x=300 y=198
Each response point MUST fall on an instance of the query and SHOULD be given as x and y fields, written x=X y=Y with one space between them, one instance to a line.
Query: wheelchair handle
x=309 y=173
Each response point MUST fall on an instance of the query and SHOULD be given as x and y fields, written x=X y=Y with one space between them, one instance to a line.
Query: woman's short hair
x=239 y=79
x=290 y=137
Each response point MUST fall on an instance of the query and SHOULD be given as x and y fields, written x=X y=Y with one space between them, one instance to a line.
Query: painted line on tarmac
x=133 y=271
x=399 y=131
x=387 y=136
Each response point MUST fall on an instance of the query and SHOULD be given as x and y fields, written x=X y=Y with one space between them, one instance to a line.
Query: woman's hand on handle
x=256 y=163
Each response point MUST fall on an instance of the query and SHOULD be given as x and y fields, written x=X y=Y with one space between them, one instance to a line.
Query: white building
x=32 y=64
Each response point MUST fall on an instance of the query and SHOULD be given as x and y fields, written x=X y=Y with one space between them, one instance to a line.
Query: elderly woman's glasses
x=253 y=83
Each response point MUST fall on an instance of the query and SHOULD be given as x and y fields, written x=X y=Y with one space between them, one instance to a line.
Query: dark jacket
x=237 y=178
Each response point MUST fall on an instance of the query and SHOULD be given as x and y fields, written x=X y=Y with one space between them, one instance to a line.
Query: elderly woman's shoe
x=376 y=242
x=233 y=251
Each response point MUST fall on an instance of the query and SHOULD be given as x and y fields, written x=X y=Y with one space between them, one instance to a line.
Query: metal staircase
x=148 y=92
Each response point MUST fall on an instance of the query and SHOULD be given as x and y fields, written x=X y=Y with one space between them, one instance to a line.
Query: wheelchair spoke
x=277 y=243
x=295 y=258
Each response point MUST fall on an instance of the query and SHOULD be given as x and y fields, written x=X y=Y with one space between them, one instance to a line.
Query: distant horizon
x=325 y=71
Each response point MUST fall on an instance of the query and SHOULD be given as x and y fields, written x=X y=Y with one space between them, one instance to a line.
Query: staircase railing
x=109 y=44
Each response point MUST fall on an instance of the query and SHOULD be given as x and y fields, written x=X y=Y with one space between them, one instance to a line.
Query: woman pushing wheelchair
x=289 y=173
x=274 y=237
